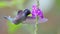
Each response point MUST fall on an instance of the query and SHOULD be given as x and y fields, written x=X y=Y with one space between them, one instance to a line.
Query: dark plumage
x=27 y=12
x=20 y=17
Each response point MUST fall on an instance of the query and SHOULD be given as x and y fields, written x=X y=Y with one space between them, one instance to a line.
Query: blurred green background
x=51 y=11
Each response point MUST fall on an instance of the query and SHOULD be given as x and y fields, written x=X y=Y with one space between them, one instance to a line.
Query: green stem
x=36 y=25
x=37 y=3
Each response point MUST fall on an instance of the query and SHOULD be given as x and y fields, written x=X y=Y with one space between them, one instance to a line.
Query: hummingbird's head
x=27 y=12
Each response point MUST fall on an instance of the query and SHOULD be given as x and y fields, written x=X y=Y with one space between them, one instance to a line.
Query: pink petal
x=42 y=20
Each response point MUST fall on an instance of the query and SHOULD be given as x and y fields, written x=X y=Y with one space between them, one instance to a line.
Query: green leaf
x=12 y=27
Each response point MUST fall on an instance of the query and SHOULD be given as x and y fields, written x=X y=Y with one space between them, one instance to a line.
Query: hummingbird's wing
x=19 y=12
x=31 y=20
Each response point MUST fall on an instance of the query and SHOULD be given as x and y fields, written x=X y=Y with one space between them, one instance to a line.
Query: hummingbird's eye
x=27 y=12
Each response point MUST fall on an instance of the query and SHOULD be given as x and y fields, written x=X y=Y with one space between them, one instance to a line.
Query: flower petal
x=40 y=13
x=34 y=11
x=42 y=20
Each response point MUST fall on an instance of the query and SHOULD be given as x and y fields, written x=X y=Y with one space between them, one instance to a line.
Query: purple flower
x=39 y=13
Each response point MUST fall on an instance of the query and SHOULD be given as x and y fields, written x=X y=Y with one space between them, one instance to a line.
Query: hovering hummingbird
x=21 y=16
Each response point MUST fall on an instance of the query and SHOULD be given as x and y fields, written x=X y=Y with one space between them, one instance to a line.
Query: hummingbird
x=21 y=16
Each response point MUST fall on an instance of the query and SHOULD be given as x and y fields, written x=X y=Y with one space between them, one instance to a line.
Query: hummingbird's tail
x=8 y=18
